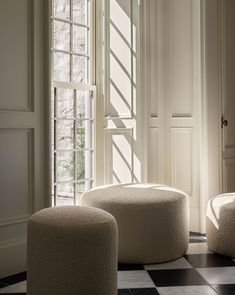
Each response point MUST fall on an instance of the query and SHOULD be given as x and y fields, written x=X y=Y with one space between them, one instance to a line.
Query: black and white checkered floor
x=199 y=272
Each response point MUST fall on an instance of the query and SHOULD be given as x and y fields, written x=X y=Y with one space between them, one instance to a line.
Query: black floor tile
x=224 y=289
x=122 y=266
x=2 y=285
x=13 y=294
x=209 y=260
x=176 y=277
x=14 y=279
x=142 y=291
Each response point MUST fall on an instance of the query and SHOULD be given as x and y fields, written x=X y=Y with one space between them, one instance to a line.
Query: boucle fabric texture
x=72 y=250
x=153 y=222
x=220 y=226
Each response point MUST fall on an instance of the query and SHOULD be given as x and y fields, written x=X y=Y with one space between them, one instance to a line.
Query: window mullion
x=75 y=145
x=71 y=41
x=55 y=145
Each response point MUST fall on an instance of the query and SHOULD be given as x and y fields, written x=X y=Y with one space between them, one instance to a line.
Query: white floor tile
x=187 y=290
x=198 y=248
x=180 y=263
x=134 y=279
x=218 y=275
x=16 y=288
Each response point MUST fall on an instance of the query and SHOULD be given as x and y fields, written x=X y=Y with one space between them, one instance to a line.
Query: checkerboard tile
x=146 y=291
x=187 y=290
x=209 y=260
x=218 y=275
x=134 y=279
x=224 y=289
x=199 y=272
x=176 y=277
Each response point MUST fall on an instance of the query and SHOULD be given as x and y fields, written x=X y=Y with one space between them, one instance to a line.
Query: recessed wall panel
x=153 y=155
x=182 y=57
x=229 y=75
x=154 y=46
x=15 y=51
x=16 y=175
x=119 y=156
x=229 y=173
x=120 y=53
x=181 y=157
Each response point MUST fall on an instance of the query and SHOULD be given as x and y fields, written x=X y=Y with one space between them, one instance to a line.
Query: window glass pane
x=61 y=67
x=80 y=165
x=65 y=194
x=84 y=164
x=61 y=35
x=65 y=103
x=84 y=105
x=80 y=67
x=80 y=40
x=81 y=98
x=80 y=11
x=84 y=135
x=62 y=9
x=81 y=138
x=65 y=134
x=65 y=166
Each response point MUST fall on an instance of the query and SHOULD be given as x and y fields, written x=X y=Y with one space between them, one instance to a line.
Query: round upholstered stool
x=72 y=250
x=152 y=220
x=220 y=225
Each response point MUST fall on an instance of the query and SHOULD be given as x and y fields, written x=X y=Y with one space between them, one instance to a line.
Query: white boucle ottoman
x=72 y=250
x=153 y=223
x=220 y=225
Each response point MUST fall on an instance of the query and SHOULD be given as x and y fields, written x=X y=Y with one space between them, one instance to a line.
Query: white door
x=23 y=149
x=173 y=97
x=228 y=95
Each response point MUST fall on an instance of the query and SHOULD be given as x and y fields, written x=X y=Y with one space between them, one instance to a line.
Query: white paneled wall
x=23 y=121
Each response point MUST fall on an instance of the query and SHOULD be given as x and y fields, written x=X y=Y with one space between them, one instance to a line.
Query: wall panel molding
x=228 y=174
x=181 y=57
x=120 y=59
x=13 y=220
x=153 y=155
x=182 y=159
x=12 y=81
x=19 y=143
x=119 y=155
